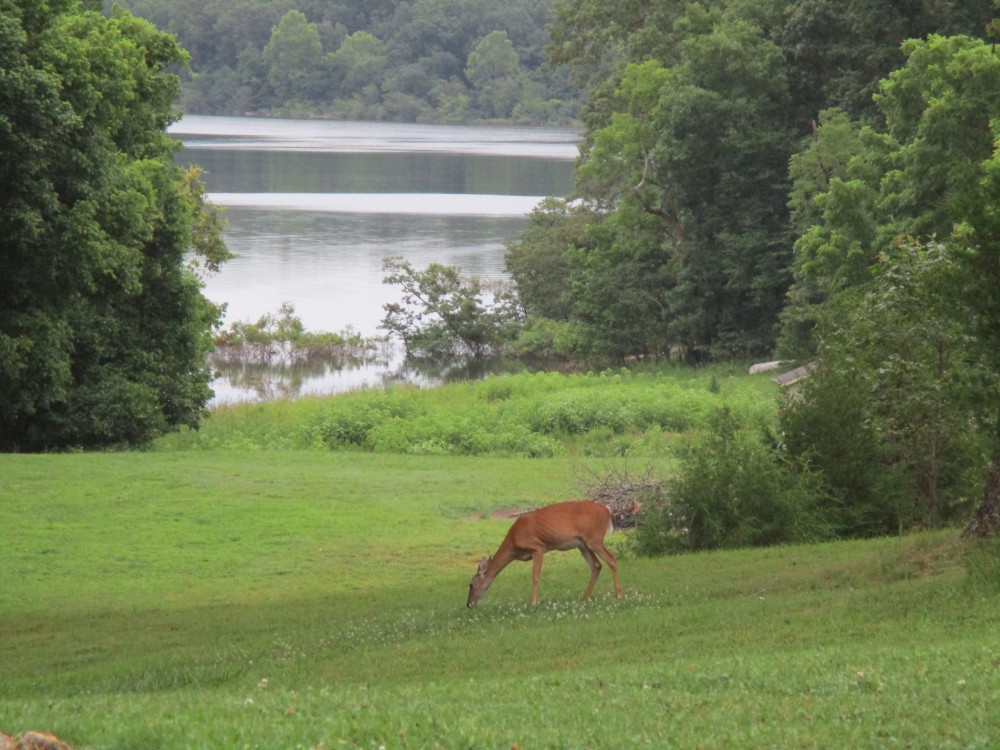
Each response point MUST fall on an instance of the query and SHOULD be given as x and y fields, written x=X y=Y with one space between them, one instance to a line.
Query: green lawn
x=222 y=599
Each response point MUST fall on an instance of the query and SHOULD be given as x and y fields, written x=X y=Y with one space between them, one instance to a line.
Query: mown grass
x=229 y=599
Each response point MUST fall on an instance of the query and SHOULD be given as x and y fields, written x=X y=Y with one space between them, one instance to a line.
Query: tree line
x=428 y=60
x=812 y=180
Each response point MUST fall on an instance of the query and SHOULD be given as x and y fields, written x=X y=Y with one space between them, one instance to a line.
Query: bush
x=831 y=428
x=349 y=421
x=734 y=490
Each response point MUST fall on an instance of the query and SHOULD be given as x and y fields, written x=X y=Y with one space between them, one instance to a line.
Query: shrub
x=734 y=489
x=349 y=420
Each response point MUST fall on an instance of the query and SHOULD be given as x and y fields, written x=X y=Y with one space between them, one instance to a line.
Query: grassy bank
x=315 y=599
x=614 y=412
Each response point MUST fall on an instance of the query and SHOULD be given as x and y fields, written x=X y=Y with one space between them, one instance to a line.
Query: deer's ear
x=483 y=564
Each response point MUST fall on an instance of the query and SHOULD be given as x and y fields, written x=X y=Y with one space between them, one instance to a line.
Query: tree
x=539 y=260
x=821 y=187
x=931 y=176
x=495 y=74
x=840 y=50
x=734 y=489
x=443 y=313
x=103 y=327
x=293 y=57
x=360 y=61
x=693 y=165
x=895 y=415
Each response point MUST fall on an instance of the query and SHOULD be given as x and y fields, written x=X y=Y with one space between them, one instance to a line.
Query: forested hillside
x=439 y=60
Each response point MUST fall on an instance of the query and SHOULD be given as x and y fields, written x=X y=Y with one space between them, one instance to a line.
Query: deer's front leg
x=536 y=573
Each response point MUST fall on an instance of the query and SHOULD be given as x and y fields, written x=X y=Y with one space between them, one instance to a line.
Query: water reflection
x=262 y=381
x=330 y=265
x=290 y=172
x=398 y=204
x=237 y=382
x=327 y=136
x=314 y=208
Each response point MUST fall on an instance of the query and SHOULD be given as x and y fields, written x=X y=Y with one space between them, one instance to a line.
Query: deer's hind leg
x=605 y=553
x=595 y=569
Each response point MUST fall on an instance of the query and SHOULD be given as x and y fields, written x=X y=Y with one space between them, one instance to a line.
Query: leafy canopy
x=103 y=327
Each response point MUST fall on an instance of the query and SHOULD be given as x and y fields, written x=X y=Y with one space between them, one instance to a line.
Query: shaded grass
x=303 y=599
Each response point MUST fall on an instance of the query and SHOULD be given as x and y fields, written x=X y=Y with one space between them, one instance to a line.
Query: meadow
x=205 y=596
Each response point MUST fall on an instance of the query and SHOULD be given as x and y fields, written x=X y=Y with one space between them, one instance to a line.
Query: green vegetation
x=103 y=326
x=443 y=314
x=612 y=413
x=440 y=60
x=682 y=234
x=306 y=599
x=292 y=574
x=282 y=336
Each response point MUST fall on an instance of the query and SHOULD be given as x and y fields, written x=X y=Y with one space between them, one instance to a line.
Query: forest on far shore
x=428 y=60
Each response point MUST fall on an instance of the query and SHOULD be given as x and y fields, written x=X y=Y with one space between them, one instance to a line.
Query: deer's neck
x=503 y=557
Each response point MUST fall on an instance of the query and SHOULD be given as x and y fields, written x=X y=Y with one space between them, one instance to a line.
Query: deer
x=579 y=524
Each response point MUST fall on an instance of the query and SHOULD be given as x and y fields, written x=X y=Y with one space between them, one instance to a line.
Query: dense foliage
x=735 y=490
x=903 y=221
x=103 y=327
x=444 y=314
x=683 y=235
x=443 y=60
x=691 y=233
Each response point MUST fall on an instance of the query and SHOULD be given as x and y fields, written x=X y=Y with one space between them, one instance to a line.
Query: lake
x=314 y=207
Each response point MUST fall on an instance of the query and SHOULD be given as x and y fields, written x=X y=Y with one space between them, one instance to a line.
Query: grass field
x=314 y=599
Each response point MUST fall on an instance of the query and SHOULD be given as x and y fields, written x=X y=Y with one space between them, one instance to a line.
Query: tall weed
x=616 y=412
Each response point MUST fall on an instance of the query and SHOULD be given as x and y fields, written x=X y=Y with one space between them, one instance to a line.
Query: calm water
x=315 y=207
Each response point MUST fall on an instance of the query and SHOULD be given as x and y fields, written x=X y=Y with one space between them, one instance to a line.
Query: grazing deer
x=579 y=524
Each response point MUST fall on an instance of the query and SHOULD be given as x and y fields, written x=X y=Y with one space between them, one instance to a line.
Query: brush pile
x=624 y=493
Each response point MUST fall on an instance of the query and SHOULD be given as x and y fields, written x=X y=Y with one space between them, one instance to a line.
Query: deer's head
x=479 y=583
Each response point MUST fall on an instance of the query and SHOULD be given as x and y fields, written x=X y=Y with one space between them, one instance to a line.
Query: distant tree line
x=428 y=60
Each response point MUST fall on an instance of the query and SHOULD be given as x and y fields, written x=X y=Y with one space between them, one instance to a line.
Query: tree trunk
x=986 y=521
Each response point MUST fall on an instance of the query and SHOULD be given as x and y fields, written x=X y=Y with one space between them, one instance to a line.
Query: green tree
x=539 y=260
x=443 y=313
x=293 y=56
x=840 y=50
x=103 y=327
x=700 y=150
x=827 y=191
x=734 y=489
x=929 y=176
x=360 y=61
x=895 y=416
x=495 y=74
